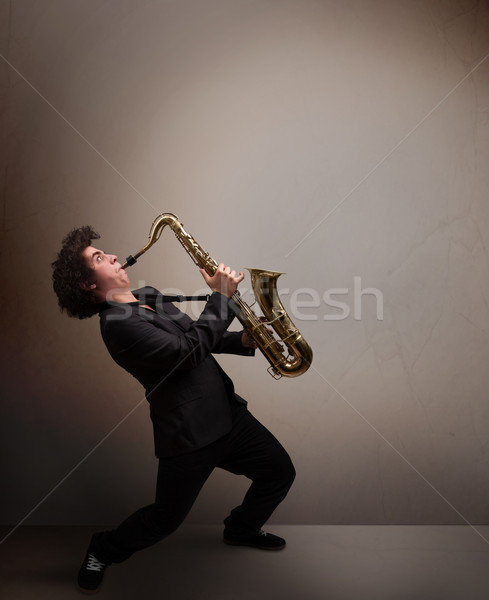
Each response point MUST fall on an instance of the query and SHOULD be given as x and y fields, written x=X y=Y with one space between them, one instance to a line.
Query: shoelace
x=93 y=564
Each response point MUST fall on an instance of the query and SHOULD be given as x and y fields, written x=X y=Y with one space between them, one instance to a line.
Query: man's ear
x=87 y=287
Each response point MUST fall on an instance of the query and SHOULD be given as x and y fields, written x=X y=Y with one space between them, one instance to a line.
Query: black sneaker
x=91 y=574
x=260 y=539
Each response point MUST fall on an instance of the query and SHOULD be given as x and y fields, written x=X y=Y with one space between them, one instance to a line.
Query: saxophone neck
x=157 y=226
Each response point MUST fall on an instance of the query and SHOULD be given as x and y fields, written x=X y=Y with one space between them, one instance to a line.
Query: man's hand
x=224 y=280
x=247 y=341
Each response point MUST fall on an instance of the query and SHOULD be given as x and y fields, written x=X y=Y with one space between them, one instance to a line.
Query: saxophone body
x=291 y=362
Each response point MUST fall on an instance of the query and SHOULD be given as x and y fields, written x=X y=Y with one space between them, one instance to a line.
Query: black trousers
x=248 y=449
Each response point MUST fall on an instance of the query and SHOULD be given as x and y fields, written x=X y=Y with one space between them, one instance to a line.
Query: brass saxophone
x=264 y=284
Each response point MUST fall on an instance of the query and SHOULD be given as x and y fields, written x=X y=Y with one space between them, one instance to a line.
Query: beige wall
x=253 y=121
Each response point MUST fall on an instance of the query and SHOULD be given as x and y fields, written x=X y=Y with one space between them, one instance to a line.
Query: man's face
x=108 y=275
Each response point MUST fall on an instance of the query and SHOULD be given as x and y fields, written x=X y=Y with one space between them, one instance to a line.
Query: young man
x=199 y=422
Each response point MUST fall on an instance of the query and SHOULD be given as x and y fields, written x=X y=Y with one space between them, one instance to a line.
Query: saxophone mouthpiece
x=130 y=260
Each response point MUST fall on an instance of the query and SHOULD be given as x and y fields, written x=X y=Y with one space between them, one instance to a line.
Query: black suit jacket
x=190 y=396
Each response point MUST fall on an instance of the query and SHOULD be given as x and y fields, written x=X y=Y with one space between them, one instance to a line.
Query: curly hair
x=70 y=270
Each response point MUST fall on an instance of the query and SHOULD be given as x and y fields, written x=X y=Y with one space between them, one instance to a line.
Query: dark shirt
x=170 y=354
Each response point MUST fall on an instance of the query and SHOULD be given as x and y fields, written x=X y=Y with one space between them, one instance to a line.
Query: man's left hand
x=248 y=341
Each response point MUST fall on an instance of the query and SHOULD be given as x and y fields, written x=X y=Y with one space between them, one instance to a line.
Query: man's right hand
x=224 y=280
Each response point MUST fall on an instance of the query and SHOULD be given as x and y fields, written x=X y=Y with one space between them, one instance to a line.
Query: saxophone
x=264 y=284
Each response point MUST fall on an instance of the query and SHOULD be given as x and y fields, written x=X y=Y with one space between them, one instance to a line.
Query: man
x=199 y=422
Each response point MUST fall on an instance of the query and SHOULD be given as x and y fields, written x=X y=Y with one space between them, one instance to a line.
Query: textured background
x=253 y=121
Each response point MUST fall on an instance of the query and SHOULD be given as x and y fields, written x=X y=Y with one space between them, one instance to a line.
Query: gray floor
x=319 y=563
